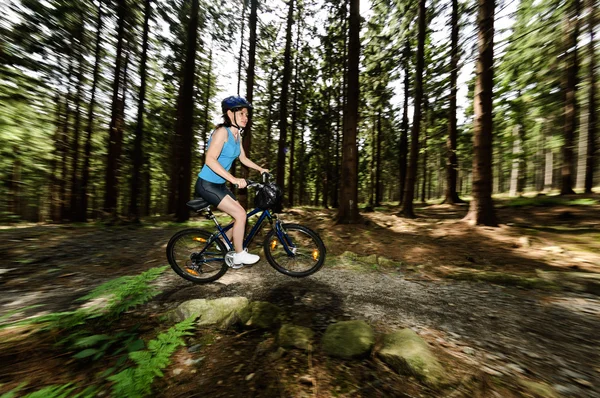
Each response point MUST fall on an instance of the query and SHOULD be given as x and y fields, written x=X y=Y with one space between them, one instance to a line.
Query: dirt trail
x=495 y=330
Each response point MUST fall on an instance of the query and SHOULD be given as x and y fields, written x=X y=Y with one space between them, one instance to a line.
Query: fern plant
x=137 y=381
x=56 y=391
x=123 y=293
x=126 y=292
x=97 y=346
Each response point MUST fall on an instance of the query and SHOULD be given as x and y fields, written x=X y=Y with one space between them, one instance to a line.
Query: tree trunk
x=451 y=196
x=292 y=171
x=409 y=190
x=302 y=176
x=522 y=179
x=372 y=176
x=424 y=182
x=85 y=172
x=241 y=55
x=481 y=209
x=378 y=193
x=549 y=170
x=75 y=181
x=54 y=164
x=147 y=184
x=592 y=127
x=63 y=152
x=270 y=105
x=516 y=163
x=208 y=126
x=403 y=149
x=14 y=183
x=283 y=102
x=335 y=202
x=250 y=75
x=138 y=154
x=115 y=136
x=570 y=100
x=185 y=118
x=348 y=211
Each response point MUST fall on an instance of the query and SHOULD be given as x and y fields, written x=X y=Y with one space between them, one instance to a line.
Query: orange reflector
x=191 y=271
x=315 y=254
x=198 y=239
x=273 y=244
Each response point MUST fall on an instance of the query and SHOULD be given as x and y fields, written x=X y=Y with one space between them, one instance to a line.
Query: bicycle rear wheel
x=299 y=252
x=193 y=256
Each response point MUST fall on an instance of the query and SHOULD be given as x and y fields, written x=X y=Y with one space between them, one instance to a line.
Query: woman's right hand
x=240 y=182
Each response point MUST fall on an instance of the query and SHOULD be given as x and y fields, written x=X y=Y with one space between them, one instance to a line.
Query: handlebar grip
x=248 y=182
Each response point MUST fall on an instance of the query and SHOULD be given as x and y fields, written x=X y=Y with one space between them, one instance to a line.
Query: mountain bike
x=202 y=256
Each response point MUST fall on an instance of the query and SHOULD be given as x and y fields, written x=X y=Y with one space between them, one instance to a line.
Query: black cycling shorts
x=211 y=192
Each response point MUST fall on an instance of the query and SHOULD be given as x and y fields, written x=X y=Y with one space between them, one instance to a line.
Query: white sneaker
x=245 y=258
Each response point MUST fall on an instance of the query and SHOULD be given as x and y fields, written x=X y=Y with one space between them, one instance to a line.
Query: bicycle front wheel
x=298 y=251
x=195 y=256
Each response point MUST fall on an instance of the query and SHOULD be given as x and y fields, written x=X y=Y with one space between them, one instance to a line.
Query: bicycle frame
x=266 y=214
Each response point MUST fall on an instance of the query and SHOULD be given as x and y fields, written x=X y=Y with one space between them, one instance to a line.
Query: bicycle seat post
x=209 y=215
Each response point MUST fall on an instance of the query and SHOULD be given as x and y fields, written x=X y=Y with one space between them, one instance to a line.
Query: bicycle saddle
x=197 y=204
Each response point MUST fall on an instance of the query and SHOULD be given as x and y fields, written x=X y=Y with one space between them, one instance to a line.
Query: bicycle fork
x=284 y=238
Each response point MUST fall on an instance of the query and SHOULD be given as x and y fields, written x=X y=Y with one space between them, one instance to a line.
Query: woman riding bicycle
x=224 y=146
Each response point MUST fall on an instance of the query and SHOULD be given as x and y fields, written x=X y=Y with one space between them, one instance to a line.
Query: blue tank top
x=230 y=152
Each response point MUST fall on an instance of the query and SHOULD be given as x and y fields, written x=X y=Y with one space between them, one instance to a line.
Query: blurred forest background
x=106 y=105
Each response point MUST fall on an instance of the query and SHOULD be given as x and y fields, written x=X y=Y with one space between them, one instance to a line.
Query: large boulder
x=260 y=315
x=407 y=353
x=293 y=336
x=222 y=311
x=348 y=339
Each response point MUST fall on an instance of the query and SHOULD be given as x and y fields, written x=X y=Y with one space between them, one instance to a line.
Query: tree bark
x=54 y=164
x=411 y=175
x=348 y=211
x=63 y=151
x=185 y=118
x=115 y=136
x=138 y=154
x=292 y=169
x=570 y=100
x=85 y=172
x=14 y=183
x=403 y=148
x=481 y=209
x=283 y=102
x=592 y=127
x=451 y=196
x=75 y=181
x=250 y=76
x=516 y=163
x=378 y=193
x=241 y=55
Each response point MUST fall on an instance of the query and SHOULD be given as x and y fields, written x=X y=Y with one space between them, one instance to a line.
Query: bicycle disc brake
x=229 y=260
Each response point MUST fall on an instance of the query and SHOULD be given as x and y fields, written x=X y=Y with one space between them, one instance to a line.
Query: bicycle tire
x=308 y=256
x=209 y=262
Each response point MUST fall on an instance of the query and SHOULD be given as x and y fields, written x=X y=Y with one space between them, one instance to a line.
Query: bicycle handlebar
x=266 y=177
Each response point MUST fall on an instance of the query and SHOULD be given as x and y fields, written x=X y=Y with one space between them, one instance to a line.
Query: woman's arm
x=212 y=155
x=248 y=163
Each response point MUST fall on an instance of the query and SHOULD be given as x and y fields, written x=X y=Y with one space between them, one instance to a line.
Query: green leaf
x=86 y=353
x=91 y=340
x=136 y=345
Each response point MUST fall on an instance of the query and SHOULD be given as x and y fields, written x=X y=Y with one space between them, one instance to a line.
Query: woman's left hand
x=263 y=171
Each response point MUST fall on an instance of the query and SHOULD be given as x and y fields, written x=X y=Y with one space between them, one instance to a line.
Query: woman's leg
x=235 y=210
x=214 y=194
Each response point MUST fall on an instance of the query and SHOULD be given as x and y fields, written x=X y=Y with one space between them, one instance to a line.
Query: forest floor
x=504 y=309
